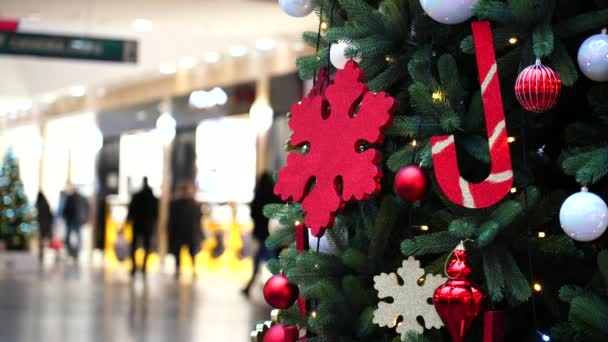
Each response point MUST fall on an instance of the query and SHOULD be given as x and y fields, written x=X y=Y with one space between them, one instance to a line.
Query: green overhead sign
x=71 y=47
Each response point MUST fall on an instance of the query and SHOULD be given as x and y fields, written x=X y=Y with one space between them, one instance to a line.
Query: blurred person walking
x=185 y=225
x=75 y=214
x=45 y=223
x=264 y=194
x=143 y=213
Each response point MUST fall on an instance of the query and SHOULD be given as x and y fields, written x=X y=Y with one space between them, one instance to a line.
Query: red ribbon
x=493 y=326
x=302 y=246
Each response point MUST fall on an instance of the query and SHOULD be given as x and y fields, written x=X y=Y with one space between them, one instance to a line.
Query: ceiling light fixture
x=261 y=114
x=78 y=91
x=201 y=99
x=142 y=25
x=264 y=44
x=165 y=124
x=212 y=57
x=167 y=68
x=24 y=105
x=187 y=62
x=237 y=51
x=48 y=98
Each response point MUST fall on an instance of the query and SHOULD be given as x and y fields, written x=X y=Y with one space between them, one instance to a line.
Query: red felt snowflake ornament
x=334 y=170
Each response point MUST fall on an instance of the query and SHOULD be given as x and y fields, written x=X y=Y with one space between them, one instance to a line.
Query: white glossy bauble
x=296 y=8
x=593 y=57
x=337 y=54
x=327 y=245
x=584 y=216
x=448 y=11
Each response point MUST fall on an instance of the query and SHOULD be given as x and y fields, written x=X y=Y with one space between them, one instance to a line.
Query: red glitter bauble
x=538 y=88
x=280 y=293
x=281 y=333
x=411 y=183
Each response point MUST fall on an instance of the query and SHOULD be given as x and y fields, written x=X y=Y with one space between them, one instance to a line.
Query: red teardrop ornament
x=459 y=300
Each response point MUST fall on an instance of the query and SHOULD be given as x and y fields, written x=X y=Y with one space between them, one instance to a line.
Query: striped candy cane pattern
x=500 y=180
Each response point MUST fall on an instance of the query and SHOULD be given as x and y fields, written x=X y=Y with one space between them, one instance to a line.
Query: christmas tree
x=17 y=216
x=504 y=197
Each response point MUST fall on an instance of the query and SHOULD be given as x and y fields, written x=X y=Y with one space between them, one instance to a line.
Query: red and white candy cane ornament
x=497 y=185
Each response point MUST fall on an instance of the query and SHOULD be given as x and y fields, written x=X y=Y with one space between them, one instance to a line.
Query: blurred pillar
x=96 y=144
x=69 y=175
x=261 y=114
x=166 y=128
x=165 y=198
x=261 y=154
x=41 y=161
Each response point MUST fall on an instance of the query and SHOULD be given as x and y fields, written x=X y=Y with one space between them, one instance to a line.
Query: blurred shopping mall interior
x=95 y=96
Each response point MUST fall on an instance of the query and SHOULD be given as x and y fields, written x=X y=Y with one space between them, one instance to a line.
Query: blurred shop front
x=214 y=144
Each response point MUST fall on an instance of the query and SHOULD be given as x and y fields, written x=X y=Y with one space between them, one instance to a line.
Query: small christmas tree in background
x=17 y=216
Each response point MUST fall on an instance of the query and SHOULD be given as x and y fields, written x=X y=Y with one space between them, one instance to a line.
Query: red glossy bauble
x=459 y=300
x=411 y=183
x=281 y=333
x=538 y=88
x=280 y=293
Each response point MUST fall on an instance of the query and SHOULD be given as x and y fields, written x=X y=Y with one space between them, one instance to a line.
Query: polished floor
x=68 y=304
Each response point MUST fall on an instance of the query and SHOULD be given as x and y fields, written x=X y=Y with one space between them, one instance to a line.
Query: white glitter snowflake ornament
x=410 y=300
